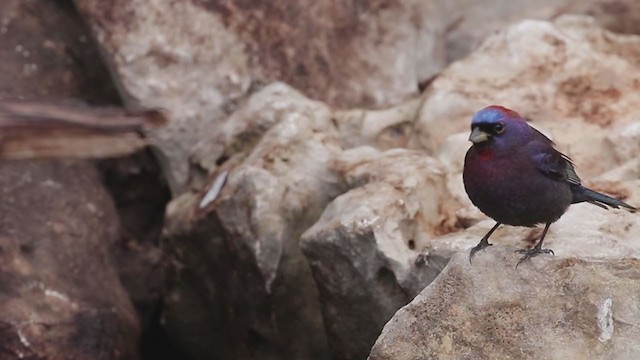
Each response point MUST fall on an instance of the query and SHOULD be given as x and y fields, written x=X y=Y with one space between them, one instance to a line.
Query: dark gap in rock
x=26 y=249
x=390 y=286
x=222 y=159
x=256 y=341
x=155 y=344
x=140 y=194
x=91 y=72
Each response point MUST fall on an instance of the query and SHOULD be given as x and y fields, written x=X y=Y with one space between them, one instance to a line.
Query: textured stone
x=61 y=296
x=243 y=289
x=47 y=52
x=359 y=250
x=198 y=59
x=362 y=249
x=469 y=22
x=552 y=308
x=385 y=129
x=576 y=82
x=583 y=231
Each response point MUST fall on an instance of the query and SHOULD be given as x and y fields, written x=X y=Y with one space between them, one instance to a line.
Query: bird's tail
x=582 y=194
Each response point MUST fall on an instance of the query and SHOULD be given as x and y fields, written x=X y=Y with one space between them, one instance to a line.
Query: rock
x=242 y=288
x=363 y=247
x=623 y=181
x=385 y=129
x=47 y=52
x=60 y=291
x=616 y=15
x=583 y=231
x=159 y=58
x=347 y=54
x=470 y=22
x=237 y=138
x=140 y=196
x=556 y=104
x=575 y=308
x=377 y=244
x=575 y=81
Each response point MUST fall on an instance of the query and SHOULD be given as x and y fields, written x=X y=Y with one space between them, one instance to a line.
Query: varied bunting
x=513 y=174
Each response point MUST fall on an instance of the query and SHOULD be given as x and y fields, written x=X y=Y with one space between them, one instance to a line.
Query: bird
x=515 y=175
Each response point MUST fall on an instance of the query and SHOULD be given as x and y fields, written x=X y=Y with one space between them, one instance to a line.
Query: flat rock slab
x=547 y=308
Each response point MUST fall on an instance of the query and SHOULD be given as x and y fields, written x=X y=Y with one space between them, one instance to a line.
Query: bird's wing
x=552 y=162
x=557 y=166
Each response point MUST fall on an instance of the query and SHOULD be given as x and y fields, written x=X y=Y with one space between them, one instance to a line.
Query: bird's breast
x=511 y=189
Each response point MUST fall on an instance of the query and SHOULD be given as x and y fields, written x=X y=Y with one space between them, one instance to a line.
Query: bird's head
x=499 y=129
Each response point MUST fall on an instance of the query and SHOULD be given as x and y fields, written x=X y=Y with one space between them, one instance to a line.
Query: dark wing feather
x=552 y=162
x=559 y=167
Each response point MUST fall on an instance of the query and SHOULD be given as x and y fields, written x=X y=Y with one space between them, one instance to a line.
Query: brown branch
x=44 y=130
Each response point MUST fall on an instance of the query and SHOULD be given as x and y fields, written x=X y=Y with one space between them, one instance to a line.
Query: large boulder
x=198 y=59
x=584 y=231
x=469 y=22
x=379 y=242
x=547 y=308
x=242 y=288
x=60 y=293
x=575 y=81
x=363 y=248
x=47 y=52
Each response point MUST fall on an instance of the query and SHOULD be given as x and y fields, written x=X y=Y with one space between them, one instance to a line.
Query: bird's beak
x=477 y=136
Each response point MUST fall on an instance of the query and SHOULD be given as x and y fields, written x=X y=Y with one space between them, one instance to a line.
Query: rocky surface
x=575 y=81
x=550 y=307
x=584 y=231
x=363 y=247
x=61 y=296
x=347 y=54
x=242 y=288
x=61 y=238
x=391 y=219
x=47 y=52
x=470 y=22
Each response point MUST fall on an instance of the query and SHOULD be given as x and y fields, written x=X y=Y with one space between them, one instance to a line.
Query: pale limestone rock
x=550 y=307
x=362 y=250
x=163 y=55
x=199 y=59
x=576 y=81
x=241 y=244
x=583 y=231
x=469 y=22
x=232 y=142
x=386 y=128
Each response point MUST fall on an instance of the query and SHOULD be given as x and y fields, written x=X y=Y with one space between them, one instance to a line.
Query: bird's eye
x=498 y=128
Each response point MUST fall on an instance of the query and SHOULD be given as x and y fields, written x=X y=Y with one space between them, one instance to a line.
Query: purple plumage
x=513 y=173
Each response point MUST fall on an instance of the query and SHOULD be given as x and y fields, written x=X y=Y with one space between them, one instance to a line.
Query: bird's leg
x=483 y=243
x=537 y=250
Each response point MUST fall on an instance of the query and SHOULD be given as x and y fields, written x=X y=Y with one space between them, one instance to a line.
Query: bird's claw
x=529 y=253
x=481 y=246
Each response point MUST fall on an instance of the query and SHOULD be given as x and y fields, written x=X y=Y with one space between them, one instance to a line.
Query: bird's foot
x=529 y=253
x=481 y=246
